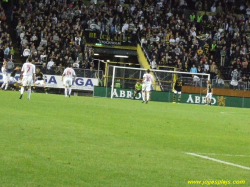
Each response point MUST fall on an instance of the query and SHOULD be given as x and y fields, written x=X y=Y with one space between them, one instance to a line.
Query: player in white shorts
x=67 y=79
x=146 y=85
x=209 y=93
x=5 y=76
x=28 y=75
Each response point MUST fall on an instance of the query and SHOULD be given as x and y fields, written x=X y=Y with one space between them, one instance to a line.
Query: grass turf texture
x=82 y=141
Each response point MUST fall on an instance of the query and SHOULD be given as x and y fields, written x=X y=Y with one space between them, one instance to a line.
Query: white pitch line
x=224 y=154
x=220 y=161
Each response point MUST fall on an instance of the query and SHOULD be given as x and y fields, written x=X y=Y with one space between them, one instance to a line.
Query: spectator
x=59 y=69
x=193 y=69
x=196 y=80
x=44 y=68
x=234 y=84
x=153 y=63
x=206 y=66
x=219 y=82
x=235 y=74
x=223 y=56
x=76 y=64
x=213 y=8
x=10 y=65
x=6 y=52
x=12 y=52
x=50 y=64
x=26 y=52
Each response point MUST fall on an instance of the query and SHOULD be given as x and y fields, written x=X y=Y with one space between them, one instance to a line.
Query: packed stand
x=179 y=35
x=52 y=32
x=172 y=33
x=7 y=51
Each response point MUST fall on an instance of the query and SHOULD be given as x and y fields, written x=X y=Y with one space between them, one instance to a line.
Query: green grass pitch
x=53 y=141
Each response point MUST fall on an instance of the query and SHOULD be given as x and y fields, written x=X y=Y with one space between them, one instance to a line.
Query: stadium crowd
x=6 y=46
x=52 y=32
x=192 y=35
x=199 y=37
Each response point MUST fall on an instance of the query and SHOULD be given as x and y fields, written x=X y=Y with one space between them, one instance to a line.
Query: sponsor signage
x=168 y=97
x=126 y=94
x=195 y=99
x=94 y=36
x=55 y=81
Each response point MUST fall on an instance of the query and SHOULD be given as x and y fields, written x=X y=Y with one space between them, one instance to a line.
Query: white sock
x=143 y=96
x=22 y=90
x=70 y=90
x=29 y=92
x=66 y=91
x=2 y=85
x=147 y=96
x=6 y=86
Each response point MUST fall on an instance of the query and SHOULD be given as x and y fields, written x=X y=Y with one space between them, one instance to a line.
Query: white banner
x=55 y=81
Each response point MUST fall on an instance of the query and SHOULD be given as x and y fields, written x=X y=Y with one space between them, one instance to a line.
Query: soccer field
x=53 y=141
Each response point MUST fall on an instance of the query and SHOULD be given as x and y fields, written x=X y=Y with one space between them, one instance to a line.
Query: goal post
x=126 y=77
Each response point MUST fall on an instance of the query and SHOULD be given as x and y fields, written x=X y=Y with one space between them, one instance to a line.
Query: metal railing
x=238 y=85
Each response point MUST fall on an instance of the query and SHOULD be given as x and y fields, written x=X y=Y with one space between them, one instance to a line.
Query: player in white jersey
x=5 y=75
x=146 y=85
x=67 y=79
x=28 y=75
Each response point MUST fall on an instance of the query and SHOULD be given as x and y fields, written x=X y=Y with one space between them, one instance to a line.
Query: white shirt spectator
x=141 y=26
x=76 y=64
x=56 y=38
x=24 y=41
x=193 y=33
x=55 y=19
x=42 y=56
x=234 y=82
x=182 y=2
x=177 y=40
x=119 y=8
x=153 y=64
x=78 y=40
x=26 y=52
x=196 y=78
x=206 y=67
x=248 y=11
x=210 y=17
x=172 y=41
x=124 y=27
x=242 y=7
x=50 y=64
x=22 y=35
x=143 y=41
x=34 y=38
x=213 y=8
x=10 y=64
x=169 y=14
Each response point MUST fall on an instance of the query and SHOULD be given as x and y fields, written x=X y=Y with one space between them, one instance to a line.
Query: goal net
x=120 y=78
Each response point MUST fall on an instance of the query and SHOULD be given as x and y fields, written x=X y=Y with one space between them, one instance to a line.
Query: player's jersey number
x=28 y=68
x=148 y=78
x=68 y=72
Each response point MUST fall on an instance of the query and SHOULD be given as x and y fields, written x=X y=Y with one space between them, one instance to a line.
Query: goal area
x=120 y=81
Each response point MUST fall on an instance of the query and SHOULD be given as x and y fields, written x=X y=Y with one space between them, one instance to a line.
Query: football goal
x=119 y=82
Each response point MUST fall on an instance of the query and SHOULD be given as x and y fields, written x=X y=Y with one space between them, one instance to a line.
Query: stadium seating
x=215 y=34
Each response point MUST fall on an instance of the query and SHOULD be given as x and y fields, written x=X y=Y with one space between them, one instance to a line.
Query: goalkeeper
x=177 y=89
x=138 y=88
